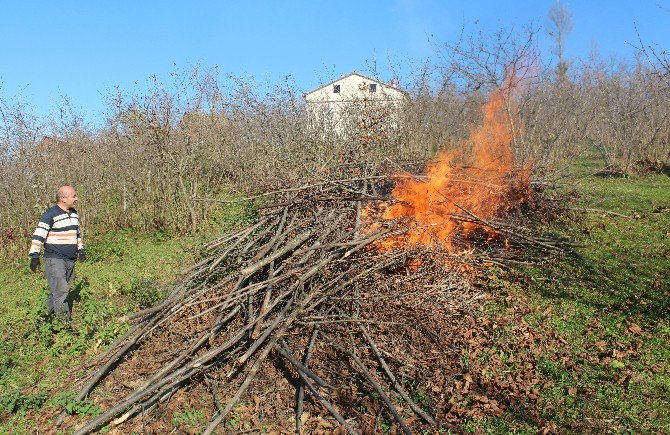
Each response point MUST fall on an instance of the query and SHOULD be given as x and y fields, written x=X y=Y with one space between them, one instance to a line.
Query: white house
x=354 y=100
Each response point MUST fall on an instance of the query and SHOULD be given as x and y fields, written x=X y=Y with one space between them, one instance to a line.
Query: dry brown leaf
x=324 y=423
x=634 y=328
x=304 y=417
x=411 y=420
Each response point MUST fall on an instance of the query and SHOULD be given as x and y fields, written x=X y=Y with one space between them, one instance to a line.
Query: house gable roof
x=354 y=73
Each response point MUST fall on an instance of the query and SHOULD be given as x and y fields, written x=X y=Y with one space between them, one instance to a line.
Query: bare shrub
x=628 y=116
x=162 y=157
x=554 y=119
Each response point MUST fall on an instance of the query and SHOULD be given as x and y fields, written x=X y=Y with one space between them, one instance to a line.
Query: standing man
x=57 y=234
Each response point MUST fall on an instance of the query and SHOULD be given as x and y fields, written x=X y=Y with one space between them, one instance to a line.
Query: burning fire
x=486 y=188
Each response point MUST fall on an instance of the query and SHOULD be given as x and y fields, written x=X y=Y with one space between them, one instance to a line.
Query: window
x=373 y=87
x=336 y=89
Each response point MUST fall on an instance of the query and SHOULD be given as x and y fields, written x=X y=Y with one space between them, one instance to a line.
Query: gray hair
x=59 y=195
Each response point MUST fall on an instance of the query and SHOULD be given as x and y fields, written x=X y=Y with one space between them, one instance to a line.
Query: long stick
x=206 y=336
x=279 y=233
x=249 y=270
x=326 y=404
x=178 y=376
x=286 y=353
x=301 y=386
x=292 y=189
x=395 y=382
x=104 y=370
x=378 y=388
x=243 y=388
x=595 y=210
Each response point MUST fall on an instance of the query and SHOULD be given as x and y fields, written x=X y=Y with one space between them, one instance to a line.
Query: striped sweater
x=57 y=234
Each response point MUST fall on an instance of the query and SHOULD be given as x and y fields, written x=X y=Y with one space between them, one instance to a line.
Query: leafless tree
x=657 y=57
x=161 y=157
x=559 y=27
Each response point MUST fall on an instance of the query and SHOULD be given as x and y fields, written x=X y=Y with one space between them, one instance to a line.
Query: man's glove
x=81 y=255
x=34 y=263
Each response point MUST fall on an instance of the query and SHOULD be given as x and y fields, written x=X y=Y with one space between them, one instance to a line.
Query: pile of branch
x=303 y=293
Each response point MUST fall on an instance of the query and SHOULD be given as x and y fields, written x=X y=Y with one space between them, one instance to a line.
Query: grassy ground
x=609 y=312
x=602 y=321
x=125 y=270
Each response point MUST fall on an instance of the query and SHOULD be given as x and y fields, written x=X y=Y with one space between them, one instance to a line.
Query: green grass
x=37 y=353
x=125 y=270
x=626 y=260
x=611 y=308
x=189 y=416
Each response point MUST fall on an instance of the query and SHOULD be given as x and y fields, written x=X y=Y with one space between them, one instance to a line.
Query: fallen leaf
x=635 y=329
x=304 y=417
x=324 y=423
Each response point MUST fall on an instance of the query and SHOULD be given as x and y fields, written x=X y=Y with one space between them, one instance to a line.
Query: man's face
x=69 y=198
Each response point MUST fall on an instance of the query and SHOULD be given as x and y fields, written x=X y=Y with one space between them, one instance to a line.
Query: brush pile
x=302 y=319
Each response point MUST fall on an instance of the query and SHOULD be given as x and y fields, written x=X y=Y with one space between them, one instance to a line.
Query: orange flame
x=484 y=188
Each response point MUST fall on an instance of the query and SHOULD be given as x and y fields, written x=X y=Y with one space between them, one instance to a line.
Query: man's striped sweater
x=57 y=234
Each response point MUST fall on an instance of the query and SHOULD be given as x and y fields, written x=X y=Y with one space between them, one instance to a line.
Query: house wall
x=354 y=88
x=332 y=111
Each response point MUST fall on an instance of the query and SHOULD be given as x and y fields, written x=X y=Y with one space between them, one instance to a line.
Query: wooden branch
x=389 y=405
x=243 y=388
x=292 y=189
x=596 y=210
x=301 y=385
x=284 y=351
x=395 y=382
x=326 y=404
x=249 y=270
x=262 y=252
x=104 y=370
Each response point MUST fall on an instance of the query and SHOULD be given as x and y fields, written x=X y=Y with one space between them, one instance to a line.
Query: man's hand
x=81 y=255
x=34 y=263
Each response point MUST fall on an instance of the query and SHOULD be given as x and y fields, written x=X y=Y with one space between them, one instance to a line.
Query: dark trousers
x=60 y=275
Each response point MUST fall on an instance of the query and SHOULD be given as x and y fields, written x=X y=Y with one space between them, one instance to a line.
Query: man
x=57 y=234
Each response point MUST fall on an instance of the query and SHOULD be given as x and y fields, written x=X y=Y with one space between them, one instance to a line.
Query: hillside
x=586 y=339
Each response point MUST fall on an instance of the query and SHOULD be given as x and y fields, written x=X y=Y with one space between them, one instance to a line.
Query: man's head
x=66 y=197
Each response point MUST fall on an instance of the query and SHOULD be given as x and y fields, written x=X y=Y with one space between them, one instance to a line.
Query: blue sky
x=82 y=50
